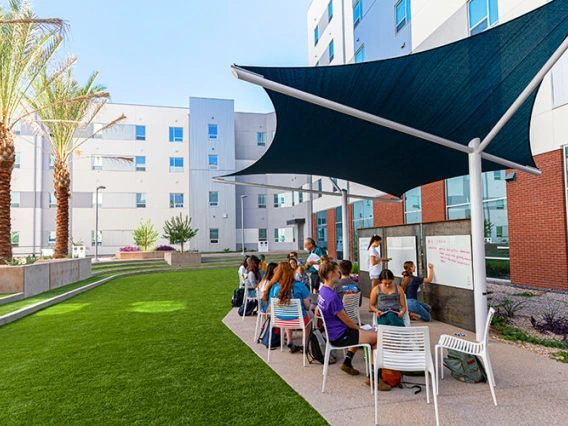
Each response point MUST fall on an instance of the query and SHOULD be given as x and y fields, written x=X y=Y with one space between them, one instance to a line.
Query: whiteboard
x=400 y=250
x=364 y=254
x=451 y=257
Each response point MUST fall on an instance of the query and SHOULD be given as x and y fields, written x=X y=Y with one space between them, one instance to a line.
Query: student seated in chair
x=387 y=300
x=342 y=331
x=346 y=284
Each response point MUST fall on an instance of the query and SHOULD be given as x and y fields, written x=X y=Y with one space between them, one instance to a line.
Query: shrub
x=145 y=235
x=552 y=322
x=129 y=249
x=355 y=269
x=524 y=294
x=178 y=230
x=165 y=248
x=511 y=308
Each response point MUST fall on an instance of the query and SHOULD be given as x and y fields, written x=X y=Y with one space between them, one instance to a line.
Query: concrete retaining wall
x=183 y=259
x=137 y=255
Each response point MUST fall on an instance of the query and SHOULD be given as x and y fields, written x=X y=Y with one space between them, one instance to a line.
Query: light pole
x=243 y=223
x=97 y=222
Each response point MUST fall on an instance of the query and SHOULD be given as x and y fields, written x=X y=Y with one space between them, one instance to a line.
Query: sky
x=162 y=52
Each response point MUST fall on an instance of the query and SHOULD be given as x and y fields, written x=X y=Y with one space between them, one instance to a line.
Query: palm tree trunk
x=7 y=159
x=61 y=184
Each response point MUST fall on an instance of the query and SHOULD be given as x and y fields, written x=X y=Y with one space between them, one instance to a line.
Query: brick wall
x=434 y=202
x=331 y=237
x=537 y=225
x=388 y=214
x=350 y=248
x=314 y=234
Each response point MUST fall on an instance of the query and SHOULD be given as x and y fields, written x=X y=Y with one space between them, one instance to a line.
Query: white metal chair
x=351 y=305
x=405 y=317
x=246 y=297
x=405 y=349
x=289 y=317
x=473 y=348
x=329 y=347
x=260 y=316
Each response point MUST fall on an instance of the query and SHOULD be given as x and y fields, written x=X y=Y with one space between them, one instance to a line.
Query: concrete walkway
x=531 y=389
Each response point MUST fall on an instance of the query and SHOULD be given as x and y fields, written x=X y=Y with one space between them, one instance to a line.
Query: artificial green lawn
x=147 y=350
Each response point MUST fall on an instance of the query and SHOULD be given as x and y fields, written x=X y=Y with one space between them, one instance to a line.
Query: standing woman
x=375 y=260
x=387 y=301
x=412 y=286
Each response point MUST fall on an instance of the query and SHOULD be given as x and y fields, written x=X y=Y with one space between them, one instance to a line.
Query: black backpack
x=315 y=349
x=251 y=306
x=238 y=297
x=263 y=337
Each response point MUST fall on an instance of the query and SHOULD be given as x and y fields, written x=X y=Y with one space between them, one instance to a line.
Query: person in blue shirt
x=284 y=287
x=312 y=248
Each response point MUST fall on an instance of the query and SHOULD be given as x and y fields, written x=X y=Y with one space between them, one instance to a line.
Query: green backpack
x=464 y=367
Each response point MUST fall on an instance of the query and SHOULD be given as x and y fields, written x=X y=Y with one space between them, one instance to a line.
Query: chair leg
x=434 y=380
x=442 y=362
x=428 y=387
x=325 y=366
x=269 y=342
x=489 y=378
x=244 y=304
x=436 y=368
x=375 y=385
x=304 y=344
x=256 y=327
x=489 y=367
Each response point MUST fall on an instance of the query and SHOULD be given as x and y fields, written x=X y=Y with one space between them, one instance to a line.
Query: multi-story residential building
x=157 y=163
x=526 y=219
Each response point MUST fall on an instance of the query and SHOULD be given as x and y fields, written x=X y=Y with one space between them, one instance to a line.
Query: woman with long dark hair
x=284 y=287
x=375 y=260
x=412 y=285
x=261 y=288
x=253 y=275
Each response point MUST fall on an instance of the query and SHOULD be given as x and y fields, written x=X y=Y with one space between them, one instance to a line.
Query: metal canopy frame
x=474 y=150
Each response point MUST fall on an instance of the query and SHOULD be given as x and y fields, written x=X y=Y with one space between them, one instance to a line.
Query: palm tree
x=27 y=44
x=65 y=110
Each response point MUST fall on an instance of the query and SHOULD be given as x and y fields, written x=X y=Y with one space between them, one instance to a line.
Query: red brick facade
x=314 y=233
x=387 y=214
x=331 y=237
x=537 y=225
x=350 y=248
x=434 y=202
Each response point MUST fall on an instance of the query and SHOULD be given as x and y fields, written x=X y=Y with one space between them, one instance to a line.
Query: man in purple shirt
x=341 y=330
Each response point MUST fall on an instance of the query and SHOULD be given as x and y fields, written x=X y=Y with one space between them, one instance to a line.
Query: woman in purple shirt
x=342 y=330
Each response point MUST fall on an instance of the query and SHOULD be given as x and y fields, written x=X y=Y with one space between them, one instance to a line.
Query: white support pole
x=524 y=94
x=345 y=224
x=477 y=239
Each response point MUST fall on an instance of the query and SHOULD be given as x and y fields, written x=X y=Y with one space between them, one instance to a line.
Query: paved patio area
x=531 y=389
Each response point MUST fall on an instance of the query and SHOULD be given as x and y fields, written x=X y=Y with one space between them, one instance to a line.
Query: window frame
x=175 y=168
x=214 y=240
x=261 y=239
x=261 y=140
x=95 y=160
x=361 y=51
x=175 y=138
x=140 y=167
x=488 y=18
x=213 y=166
x=100 y=239
x=15 y=235
x=397 y=24
x=13 y=203
x=51 y=241
x=261 y=205
x=316 y=35
x=213 y=203
x=331 y=48
x=212 y=136
x=17 y=160
x=140 y=137
x=357 y=17
x=174 y=203
x=52 y=203
x=139 y=203
x=330 y=11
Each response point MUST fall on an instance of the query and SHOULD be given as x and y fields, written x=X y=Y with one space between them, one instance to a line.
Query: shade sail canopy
x=458 y=92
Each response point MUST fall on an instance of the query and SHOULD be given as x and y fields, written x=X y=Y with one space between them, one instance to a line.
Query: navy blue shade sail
x=458 y=91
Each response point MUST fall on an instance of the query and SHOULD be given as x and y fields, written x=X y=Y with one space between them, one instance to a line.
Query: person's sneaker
x=293 y=348
x=383 y=387
x=349 y=370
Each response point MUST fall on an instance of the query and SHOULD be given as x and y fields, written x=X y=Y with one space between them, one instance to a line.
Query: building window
x=14 y=199
x=331 y=50
x=280 y=235
x=413 y=206
x=99 y=240
x=213 y=162
x=339 y=232
x=18 y=128
x=176 y=134
x=262 y=235
x=357 y=13
x=96 y=162
x=212 y=130
x=334 y=180
x=17 y=161
x=141 y=201
x=279 y=200
x=330 y=11
x=52 y=201
x=100 y=199
x=213 y=199
x=176 y=201
x=316 y=37
x=300 y=197
x=51 y=239
x=402 y=14
x=15 y=238
x=320 y=187
x=261 y=201
x=97 y=131
x=140 y=164
x=176 y=164
x=261 y=138
x=140 y=133
x=482 y=15
x=317 y=63
x=362 y=216
x=360 y=55
x=321 y=229
x=214 y=235
x=52 y=162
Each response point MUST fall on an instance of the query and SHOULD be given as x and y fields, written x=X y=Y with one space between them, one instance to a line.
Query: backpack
x=263 y=337
x=251 y=306
x=391 y=377
x=238 y=297
x=315 y=350
x=464 y=367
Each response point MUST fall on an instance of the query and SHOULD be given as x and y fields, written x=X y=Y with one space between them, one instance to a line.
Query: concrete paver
x=531 y=389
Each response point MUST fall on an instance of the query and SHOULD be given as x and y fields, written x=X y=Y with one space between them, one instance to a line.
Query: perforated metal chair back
x=351 y=305
x=403 y=348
